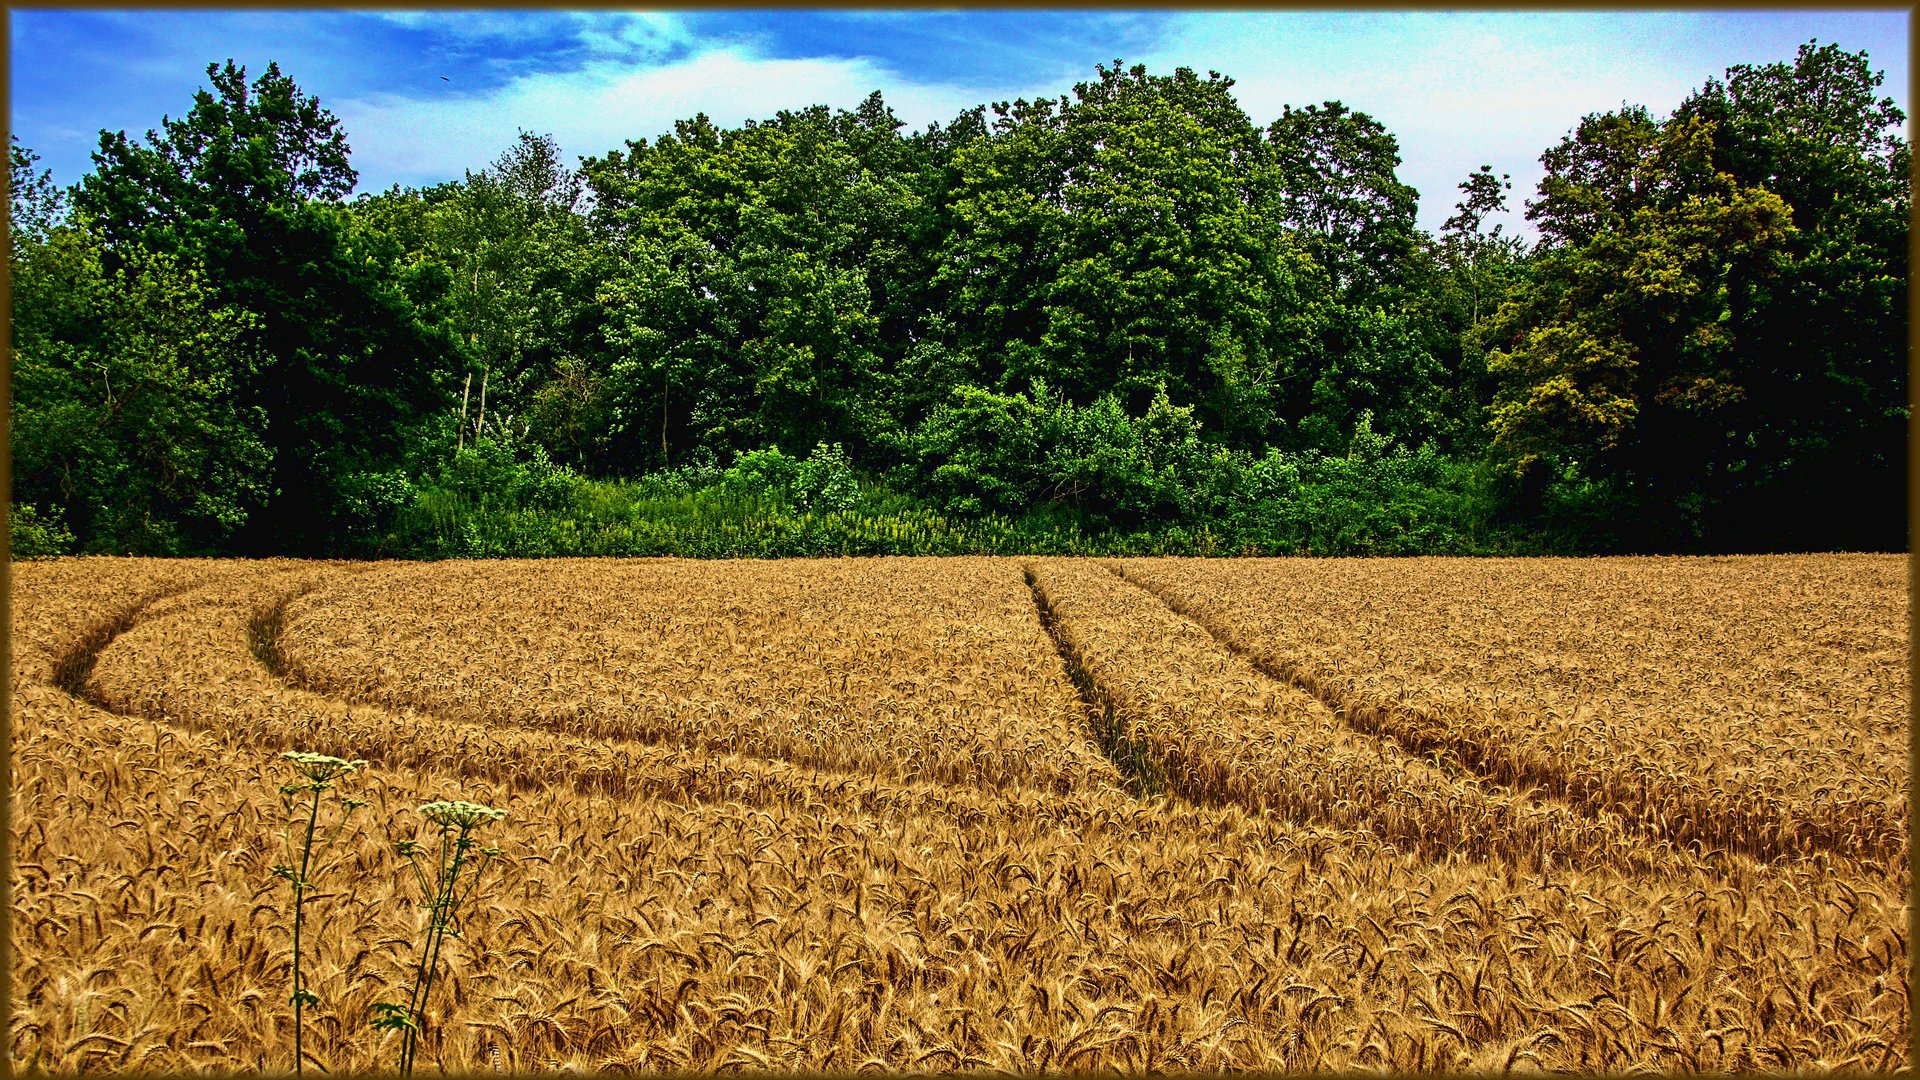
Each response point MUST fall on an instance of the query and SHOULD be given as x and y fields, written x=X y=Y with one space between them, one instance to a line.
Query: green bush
x=1141 y=485
x=500 y=472
x=1378 y=498
x=825 y=481
x=764 y=474
x=32 y=534
x=1005 y=453
x=370 y=504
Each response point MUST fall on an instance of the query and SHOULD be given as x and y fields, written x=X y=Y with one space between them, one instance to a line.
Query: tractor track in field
x=265 y=623
x=73 y=668
x=1133 y=757
x=1423 y=732
x=625 y=768
x=1420 y=733
x=1112 y=721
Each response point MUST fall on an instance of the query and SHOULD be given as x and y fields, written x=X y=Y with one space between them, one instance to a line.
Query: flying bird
x=443 y=78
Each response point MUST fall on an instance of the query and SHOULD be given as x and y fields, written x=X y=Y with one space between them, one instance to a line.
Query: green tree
x=43 y=259
x=1822 y=414
x=125 y=419
x=35 y=204
x=243 y=155
x=515 y=275
x=1620 y=361
x=743 y=311
x=1456 y=280
x=569 y=413
x=1340 y=199
x=919 y=316
x=1717 y=326
x=1117 y=241
x=1376 y=362
x=246 y=188
x=1597 y=178
x=1482 y=258
x=1004 y=216
x=1339 y=188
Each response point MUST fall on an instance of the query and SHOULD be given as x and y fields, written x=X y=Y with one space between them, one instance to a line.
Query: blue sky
x=425 y=96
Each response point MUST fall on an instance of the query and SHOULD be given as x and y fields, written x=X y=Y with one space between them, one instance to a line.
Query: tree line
x=1131 y=308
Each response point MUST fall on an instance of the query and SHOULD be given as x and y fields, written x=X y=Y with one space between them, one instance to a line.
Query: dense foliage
x=1129 y=319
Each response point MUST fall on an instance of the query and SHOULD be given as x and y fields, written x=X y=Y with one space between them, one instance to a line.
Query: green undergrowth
x=495 y=502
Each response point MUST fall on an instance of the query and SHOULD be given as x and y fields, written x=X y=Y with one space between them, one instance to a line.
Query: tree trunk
x=467 y=386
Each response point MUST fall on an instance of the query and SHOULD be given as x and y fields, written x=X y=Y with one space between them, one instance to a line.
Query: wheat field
x=1024 y=815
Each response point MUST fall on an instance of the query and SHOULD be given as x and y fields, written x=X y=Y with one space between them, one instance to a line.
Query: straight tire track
x=1133 y=757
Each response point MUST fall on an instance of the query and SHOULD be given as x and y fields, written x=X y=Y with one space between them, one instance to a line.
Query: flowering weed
x=316 y=773
x=444 y=892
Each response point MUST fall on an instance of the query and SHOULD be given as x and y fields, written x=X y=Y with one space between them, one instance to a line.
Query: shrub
x=370 y=506
x=986 y=452
x=762 y=474
x=501 y=472
x=825 y=481
x=32 y=534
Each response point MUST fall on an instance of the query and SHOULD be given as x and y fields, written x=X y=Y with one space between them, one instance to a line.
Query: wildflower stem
x=442 y=897
x=318 y=771
x=299 y=907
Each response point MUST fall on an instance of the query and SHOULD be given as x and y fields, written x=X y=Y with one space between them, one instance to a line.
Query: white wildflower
x=320 y=768
x=460 y=814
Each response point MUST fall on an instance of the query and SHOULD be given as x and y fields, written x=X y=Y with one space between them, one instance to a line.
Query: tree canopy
x=1716 y=320
x=1131 y=307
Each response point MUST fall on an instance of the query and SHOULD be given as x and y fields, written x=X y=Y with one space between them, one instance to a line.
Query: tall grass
x=621 y=519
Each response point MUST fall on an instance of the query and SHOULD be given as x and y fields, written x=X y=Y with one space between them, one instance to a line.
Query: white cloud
x=1457 y=89
x=598 y=107
x=634 y=33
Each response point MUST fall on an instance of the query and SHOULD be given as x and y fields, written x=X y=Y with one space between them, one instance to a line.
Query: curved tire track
x=522 y=755
x=73 y=668
x=1422 y=732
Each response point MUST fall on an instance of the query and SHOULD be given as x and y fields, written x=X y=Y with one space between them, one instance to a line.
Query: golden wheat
x=673 y=900
x=1220 y=730
x=56 y=601
x=1757 y=704
x=913 y=668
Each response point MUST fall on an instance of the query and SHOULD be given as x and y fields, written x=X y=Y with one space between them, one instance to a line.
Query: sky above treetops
x=425 y=96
